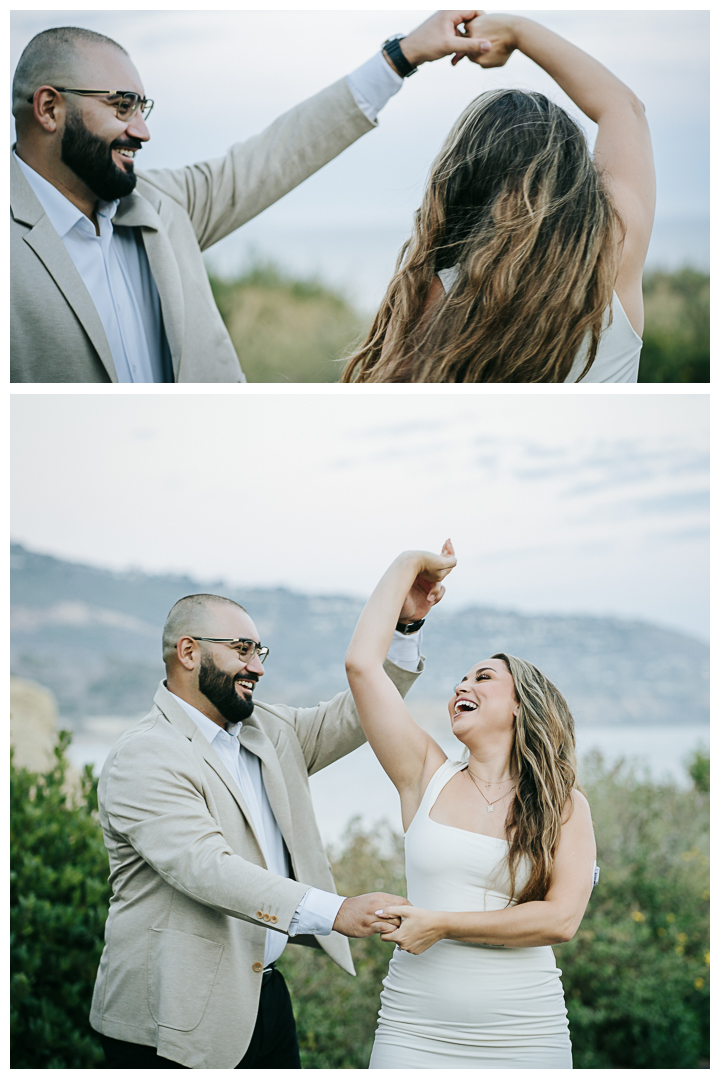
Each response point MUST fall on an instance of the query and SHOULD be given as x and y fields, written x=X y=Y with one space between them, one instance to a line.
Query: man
x=108 y=283
x=216 y=860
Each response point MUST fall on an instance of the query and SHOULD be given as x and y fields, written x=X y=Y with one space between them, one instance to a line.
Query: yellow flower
x=682 y=938
x=707 y=958
x=679 y=950
x=687 y=855
x=706 y=894
x=662 y=931
x=670 y=918
x=637 y=916
x=699 y=983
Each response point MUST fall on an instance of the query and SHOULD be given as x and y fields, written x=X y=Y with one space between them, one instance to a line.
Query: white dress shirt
x=114 y=265
x=316 y=912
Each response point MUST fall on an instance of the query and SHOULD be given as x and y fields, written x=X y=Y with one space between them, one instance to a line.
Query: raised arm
x=538 y=922
x=411 y=586
x=623 y=149
x=331 y=730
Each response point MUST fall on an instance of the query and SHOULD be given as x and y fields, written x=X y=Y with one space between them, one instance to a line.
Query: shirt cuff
x=405 y=650
x=316 y=913
x=373 y=84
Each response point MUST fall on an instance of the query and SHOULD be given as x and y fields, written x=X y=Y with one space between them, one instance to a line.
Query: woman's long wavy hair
x=543 y=757
x=515 y=203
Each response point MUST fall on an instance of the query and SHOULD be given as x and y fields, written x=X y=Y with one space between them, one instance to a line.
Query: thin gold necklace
x=488 y=782
x=490 y=805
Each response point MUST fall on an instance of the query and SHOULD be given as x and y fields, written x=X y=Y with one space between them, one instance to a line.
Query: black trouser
x=273 y=1045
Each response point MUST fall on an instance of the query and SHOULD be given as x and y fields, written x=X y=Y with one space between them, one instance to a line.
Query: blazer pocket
x=181 y=974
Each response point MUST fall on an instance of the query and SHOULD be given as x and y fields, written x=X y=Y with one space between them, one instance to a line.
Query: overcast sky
x=556 y=503
x=220 y=76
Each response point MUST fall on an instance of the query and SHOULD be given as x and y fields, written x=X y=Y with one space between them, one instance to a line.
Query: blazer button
x=273 y=918
x=266 y=918
x=259 y=914
x=257 y=966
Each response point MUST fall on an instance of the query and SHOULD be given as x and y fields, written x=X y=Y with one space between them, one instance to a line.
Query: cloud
x=676 y=502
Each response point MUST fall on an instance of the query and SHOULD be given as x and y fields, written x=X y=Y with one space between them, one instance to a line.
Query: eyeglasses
x=125 y=102
x=246 y=648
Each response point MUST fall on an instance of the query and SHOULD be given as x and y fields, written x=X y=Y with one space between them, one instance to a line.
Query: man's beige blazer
x=56 y=332
x=192 y=899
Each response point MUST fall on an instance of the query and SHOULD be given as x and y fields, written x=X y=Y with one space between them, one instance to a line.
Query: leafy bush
x=635 y=975
x=286 y=329
x=676 y=339
x=58 y=905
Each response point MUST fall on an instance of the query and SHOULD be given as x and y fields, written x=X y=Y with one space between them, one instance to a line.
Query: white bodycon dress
x=460 y=1006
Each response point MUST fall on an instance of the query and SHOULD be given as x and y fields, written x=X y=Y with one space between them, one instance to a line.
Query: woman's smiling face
x=484 y=701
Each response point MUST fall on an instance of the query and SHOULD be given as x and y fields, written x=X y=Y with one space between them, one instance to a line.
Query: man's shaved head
x=54 y=58
x=192 y=615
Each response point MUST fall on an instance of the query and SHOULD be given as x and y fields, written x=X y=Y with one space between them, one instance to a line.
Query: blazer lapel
x=259 y=744
x=137 y=211
x=50 y=249
x=180 y=719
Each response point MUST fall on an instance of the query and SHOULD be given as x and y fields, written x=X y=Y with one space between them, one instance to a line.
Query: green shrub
x=58 y=905
x=286 y=329
x=676 y=339
x=635 y=975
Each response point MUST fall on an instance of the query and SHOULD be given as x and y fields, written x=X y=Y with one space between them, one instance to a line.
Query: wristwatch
x=392 y=48
x=410 y=627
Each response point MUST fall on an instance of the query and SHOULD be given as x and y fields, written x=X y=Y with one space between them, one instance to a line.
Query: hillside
x=93 y=637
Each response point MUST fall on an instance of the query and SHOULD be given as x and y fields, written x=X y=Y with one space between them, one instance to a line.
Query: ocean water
x=356 y=786
x=360 y=261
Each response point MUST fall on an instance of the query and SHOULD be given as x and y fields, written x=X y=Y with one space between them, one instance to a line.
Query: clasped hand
x=440 y=35
x=426 y=591
x=418 y=930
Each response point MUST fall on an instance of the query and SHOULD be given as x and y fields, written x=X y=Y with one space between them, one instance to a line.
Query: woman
x=526 y=259
x=499 y=852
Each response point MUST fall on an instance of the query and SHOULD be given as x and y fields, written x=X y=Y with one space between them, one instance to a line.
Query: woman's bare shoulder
x=435 y=294
x=576 y=809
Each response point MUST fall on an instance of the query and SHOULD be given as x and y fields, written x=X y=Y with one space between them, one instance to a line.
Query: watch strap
x=403 y=66
x=410 y=627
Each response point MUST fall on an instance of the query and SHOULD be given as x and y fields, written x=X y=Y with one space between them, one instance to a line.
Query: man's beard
x=219 y=687
x=90 y=158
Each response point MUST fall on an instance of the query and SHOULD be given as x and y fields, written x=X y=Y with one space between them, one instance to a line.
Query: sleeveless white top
x=618 y=355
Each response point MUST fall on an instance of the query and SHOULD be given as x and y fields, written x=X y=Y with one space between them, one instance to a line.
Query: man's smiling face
x=98 y=147
x=223 y=678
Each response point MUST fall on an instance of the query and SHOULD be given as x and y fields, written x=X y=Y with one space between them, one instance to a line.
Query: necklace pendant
x=490 y=809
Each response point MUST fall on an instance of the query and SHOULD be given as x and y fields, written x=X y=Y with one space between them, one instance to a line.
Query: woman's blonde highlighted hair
x=543 y=757
x=515 y=203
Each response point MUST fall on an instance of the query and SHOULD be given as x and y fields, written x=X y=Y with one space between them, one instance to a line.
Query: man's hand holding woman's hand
x=498 y=33
x=418 y=930
x=439 y=36
x=358 y=916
